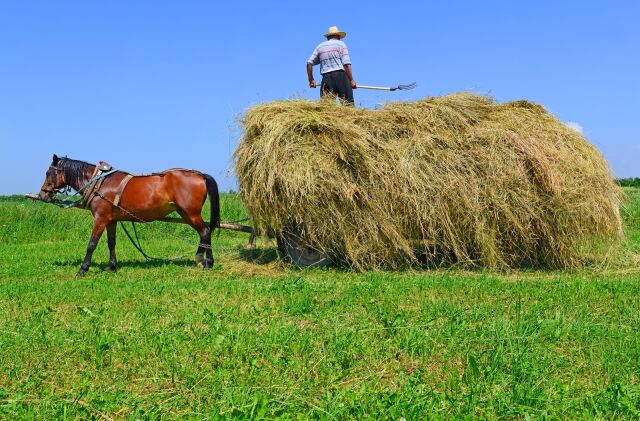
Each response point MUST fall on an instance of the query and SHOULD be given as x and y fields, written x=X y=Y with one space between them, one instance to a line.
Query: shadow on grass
x=256 y=256
x=131 y=263
x=259 y=256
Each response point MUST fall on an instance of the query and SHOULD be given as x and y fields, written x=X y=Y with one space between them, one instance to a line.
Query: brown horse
x=121 y=197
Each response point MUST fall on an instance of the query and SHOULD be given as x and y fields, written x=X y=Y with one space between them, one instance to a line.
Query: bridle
x=52 y=191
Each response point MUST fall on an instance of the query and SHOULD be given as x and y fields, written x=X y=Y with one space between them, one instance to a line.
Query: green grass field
x=253 y=338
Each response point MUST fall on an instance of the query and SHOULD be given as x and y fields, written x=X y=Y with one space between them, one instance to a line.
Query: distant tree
x=629 y=182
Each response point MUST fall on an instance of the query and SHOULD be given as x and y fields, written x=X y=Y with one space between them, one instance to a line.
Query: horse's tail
x=214 y=198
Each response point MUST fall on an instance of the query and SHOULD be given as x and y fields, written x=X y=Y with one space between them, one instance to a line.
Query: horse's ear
x=55 y=159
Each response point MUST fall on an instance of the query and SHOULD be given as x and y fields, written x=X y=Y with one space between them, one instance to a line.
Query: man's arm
x=312 y=83
x=347 y=68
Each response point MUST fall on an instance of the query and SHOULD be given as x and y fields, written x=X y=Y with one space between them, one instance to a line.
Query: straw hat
x=335 y=31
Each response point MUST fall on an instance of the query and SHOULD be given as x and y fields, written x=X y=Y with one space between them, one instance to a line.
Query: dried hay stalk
x=457 y=179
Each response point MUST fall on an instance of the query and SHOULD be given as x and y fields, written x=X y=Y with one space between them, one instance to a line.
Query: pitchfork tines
x=405 y=87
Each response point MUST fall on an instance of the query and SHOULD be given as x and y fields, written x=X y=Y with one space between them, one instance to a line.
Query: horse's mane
x=74 y=170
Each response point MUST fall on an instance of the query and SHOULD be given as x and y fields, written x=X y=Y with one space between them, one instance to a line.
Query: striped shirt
x=331 y=55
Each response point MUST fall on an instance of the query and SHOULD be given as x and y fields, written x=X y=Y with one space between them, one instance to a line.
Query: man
x=335 y=66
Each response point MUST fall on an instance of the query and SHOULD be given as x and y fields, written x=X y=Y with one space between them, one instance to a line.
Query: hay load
x=458 y=179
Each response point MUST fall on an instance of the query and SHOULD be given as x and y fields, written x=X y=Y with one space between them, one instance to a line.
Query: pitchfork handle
x=378 y=88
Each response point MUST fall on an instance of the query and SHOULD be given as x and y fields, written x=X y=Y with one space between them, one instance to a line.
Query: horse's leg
x=98 y=229
x=111 y=240
x=207 y=241
x=196 y=221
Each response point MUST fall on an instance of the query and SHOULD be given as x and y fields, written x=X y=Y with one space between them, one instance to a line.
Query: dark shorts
x=337 y=84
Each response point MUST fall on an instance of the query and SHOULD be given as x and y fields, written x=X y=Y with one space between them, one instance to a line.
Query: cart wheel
x=295 y=249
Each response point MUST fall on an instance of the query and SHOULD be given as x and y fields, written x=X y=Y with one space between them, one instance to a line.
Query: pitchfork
x=394 y=88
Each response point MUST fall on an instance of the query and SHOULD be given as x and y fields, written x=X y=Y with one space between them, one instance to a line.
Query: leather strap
x=121 y=187
x=94 y=187
x=89 y=193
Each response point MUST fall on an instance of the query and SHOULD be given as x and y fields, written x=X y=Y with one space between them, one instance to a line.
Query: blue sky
x=152 y=85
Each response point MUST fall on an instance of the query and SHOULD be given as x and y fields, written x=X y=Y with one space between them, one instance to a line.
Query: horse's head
x=54 y=181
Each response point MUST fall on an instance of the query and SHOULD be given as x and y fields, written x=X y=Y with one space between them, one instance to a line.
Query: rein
x=138 y=245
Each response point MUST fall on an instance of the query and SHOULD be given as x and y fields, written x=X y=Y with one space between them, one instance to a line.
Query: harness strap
x=91 y=191
x=91 y=188
x=121 y=187
x=88 y=193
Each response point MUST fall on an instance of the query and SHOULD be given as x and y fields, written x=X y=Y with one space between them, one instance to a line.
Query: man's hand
x=312 y=83
x=347 y=68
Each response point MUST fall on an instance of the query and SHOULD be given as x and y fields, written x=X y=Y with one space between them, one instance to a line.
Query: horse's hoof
x=81 y=273
x=200 y=261
x=110 y=268
x=208 y=264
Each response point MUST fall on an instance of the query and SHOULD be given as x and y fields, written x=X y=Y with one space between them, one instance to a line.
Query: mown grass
x=253 y=338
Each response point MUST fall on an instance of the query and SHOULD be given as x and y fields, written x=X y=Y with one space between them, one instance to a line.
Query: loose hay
x=457 y=179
